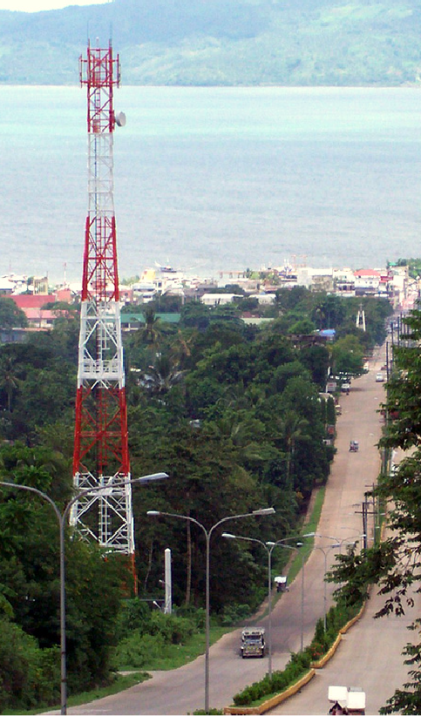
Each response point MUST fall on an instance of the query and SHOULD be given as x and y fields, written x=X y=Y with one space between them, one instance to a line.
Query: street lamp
x=348 y=540
x=208 y=535
x=325 y=551
x=61 y=518
x=297 y=547
x=317 y=534
x=269 y=547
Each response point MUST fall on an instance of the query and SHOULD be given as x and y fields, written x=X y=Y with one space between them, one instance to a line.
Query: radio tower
x=101 y=456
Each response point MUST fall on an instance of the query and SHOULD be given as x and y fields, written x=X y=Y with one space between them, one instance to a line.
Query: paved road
x=369 y=657
x=182 y=691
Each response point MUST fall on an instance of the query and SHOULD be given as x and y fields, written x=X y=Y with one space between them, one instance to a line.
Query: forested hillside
x=221 y=42
x=233 y=413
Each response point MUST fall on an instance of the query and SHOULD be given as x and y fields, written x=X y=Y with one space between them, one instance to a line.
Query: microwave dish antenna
x=120 y=119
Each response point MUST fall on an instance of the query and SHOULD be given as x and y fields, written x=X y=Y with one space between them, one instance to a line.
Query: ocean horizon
x=216 y=179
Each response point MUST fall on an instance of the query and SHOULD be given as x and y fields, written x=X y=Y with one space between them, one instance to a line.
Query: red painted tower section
x=101 y=456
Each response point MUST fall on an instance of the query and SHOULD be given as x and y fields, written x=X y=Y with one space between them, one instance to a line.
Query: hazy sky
x=37 y=5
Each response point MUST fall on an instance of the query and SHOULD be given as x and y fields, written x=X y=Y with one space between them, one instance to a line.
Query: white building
x=218 y=299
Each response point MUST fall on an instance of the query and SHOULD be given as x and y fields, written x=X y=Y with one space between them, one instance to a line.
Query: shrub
x=29 y=676
x=172 y=628
x=235 y=613
x=134 y=614
x=194 y=615
x=137 y=650
x=299 y=663
x=153 y=640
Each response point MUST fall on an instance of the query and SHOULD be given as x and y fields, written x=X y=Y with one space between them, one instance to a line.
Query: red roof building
x=30 y=300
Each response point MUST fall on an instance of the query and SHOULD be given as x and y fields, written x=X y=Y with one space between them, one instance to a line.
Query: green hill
x=221 y=42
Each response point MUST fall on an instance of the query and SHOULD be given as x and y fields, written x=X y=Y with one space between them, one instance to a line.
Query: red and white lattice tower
x=101 y=456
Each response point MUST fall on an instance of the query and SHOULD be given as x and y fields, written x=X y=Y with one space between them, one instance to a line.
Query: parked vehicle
x=252 y=642
x=380 y=378
x=346 y=700
x=353 y=446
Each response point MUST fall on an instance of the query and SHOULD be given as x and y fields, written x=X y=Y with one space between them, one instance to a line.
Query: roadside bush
x=44 y=677
x=196 y=616
x=136 y=651
x=172 y=628
x=235 y=613
x=280 y=680
x=299 y=663
x=153 y=640
x=29 y=676
x=134 y=614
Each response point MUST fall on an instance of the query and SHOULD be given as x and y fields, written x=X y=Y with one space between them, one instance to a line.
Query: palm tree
x=8 y=379
x=238 y=397
x=291 y=427
x=240 y=436
x=150 y=332
x=162 y=376
x=181 y=348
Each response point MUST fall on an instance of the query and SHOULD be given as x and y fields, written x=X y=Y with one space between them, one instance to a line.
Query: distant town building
x=218 y=299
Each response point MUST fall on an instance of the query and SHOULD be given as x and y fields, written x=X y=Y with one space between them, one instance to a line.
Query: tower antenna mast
x=101 y=456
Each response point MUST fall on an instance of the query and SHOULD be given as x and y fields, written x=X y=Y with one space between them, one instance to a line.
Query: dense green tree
x=162 y=376
x=195 y=315
x=9 y=380
x=150 y=331
x=231 y=412
x=304 y=326
x=316 y=359
x=206 y=483
x=348 y=356
x=10 y=315
x=290 y=429
x=29 y=676
x=329 y=312
x=29 y=569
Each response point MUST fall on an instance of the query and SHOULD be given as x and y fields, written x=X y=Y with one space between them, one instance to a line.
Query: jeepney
x=252 y=642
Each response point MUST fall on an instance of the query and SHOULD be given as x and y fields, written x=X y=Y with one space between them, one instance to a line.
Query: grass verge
x=120 y=684
x=303 y=553
x=177 y=655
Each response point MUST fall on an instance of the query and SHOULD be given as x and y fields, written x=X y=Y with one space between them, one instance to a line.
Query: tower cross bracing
x=101 y=456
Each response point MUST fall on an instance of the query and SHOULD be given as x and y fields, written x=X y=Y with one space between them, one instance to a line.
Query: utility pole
x=365 y=513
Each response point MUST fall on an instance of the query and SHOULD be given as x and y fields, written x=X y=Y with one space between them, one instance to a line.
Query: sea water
x=215 y=179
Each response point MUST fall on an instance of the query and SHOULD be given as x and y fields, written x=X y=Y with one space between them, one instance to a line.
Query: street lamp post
x=325 y=551
x=208 y=535
x=350 y=541
x=269 y=547
x=61 y=518
x=357 y=534
x=298 y=545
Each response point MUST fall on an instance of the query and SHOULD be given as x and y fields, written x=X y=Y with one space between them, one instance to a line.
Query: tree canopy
x=235 y=414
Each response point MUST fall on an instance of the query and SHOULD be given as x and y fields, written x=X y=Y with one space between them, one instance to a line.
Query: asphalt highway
x=182 y=691
x=369 y=657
